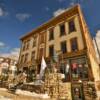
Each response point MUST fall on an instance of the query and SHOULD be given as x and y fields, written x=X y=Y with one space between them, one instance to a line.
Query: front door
x=77 y=91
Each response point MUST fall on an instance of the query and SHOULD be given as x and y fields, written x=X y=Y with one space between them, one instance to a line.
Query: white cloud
x=3 y=12
x=72 y=3
x=58 y=12
x=97 y=38
x=2 y=44
x=23 y=16
x=47 y=8
x=14 y=53
x=5 y=51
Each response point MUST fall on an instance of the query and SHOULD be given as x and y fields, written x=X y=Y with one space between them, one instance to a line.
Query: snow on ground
x=3 y=89
x=22 y=92
x=4 y=98
x=44 y=96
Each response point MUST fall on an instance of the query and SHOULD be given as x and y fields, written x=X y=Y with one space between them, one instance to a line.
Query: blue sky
x=17 y=17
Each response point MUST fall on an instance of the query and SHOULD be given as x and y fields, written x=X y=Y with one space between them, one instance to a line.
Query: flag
x=67 y=68
x=43 y=66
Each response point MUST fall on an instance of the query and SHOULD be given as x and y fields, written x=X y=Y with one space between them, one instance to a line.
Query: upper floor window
x=33 y=56
x=41 y=52
x=63 y=47
x=51 y=34
x=74 y=44
x=42 y=38
x=22 y=59
x=34 y=41
x=62 y=30
x=27 y=44
x=26 y=57
x=23 y=48
x=71 y=26
x=51 y=50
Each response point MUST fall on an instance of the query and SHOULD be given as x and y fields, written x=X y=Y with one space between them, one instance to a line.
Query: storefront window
x=65 y=69
x=79 y=68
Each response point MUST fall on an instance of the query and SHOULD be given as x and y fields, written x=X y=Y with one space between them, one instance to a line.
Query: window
x=34 y=42
x=24 y=46
x=71 y=26
x=33 y=56
x=22 y=58
x=51 y=34
x=63 y=47
x=27 y=44
x=41 y=52
x=62 y=29
x=74 y=45
x=79 y=68
x=42 y=38
x=64 y=67
x=77 y=92
x=26 y=57
x=51 y=51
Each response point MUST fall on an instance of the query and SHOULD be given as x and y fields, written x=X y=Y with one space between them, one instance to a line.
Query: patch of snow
x=18 y=91
x=4 y=98
x=3 y=89
x=44 y=96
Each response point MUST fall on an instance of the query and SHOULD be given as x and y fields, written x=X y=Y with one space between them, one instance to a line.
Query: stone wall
x=56 y=88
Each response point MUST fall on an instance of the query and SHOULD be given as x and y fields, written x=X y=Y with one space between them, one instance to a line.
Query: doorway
x=77 y=91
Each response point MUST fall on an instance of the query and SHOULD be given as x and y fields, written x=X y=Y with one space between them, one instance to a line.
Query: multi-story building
x=5 y=64
x=67 y=35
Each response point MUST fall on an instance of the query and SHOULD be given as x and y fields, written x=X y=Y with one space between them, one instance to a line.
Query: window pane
x=72 y=26
x=34 y=42
x=74 y=45
x=42 y=38
x=27 y=44
x=22 y=58
x=79 y=68
x=33 y=56
x=26 y=57
x=51 y=51
x=41 y=52
x=63 y=47
x=51 y=34
x=62 y=30
x=23 y=46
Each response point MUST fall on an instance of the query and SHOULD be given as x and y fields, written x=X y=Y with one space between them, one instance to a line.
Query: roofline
x=49 y=21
